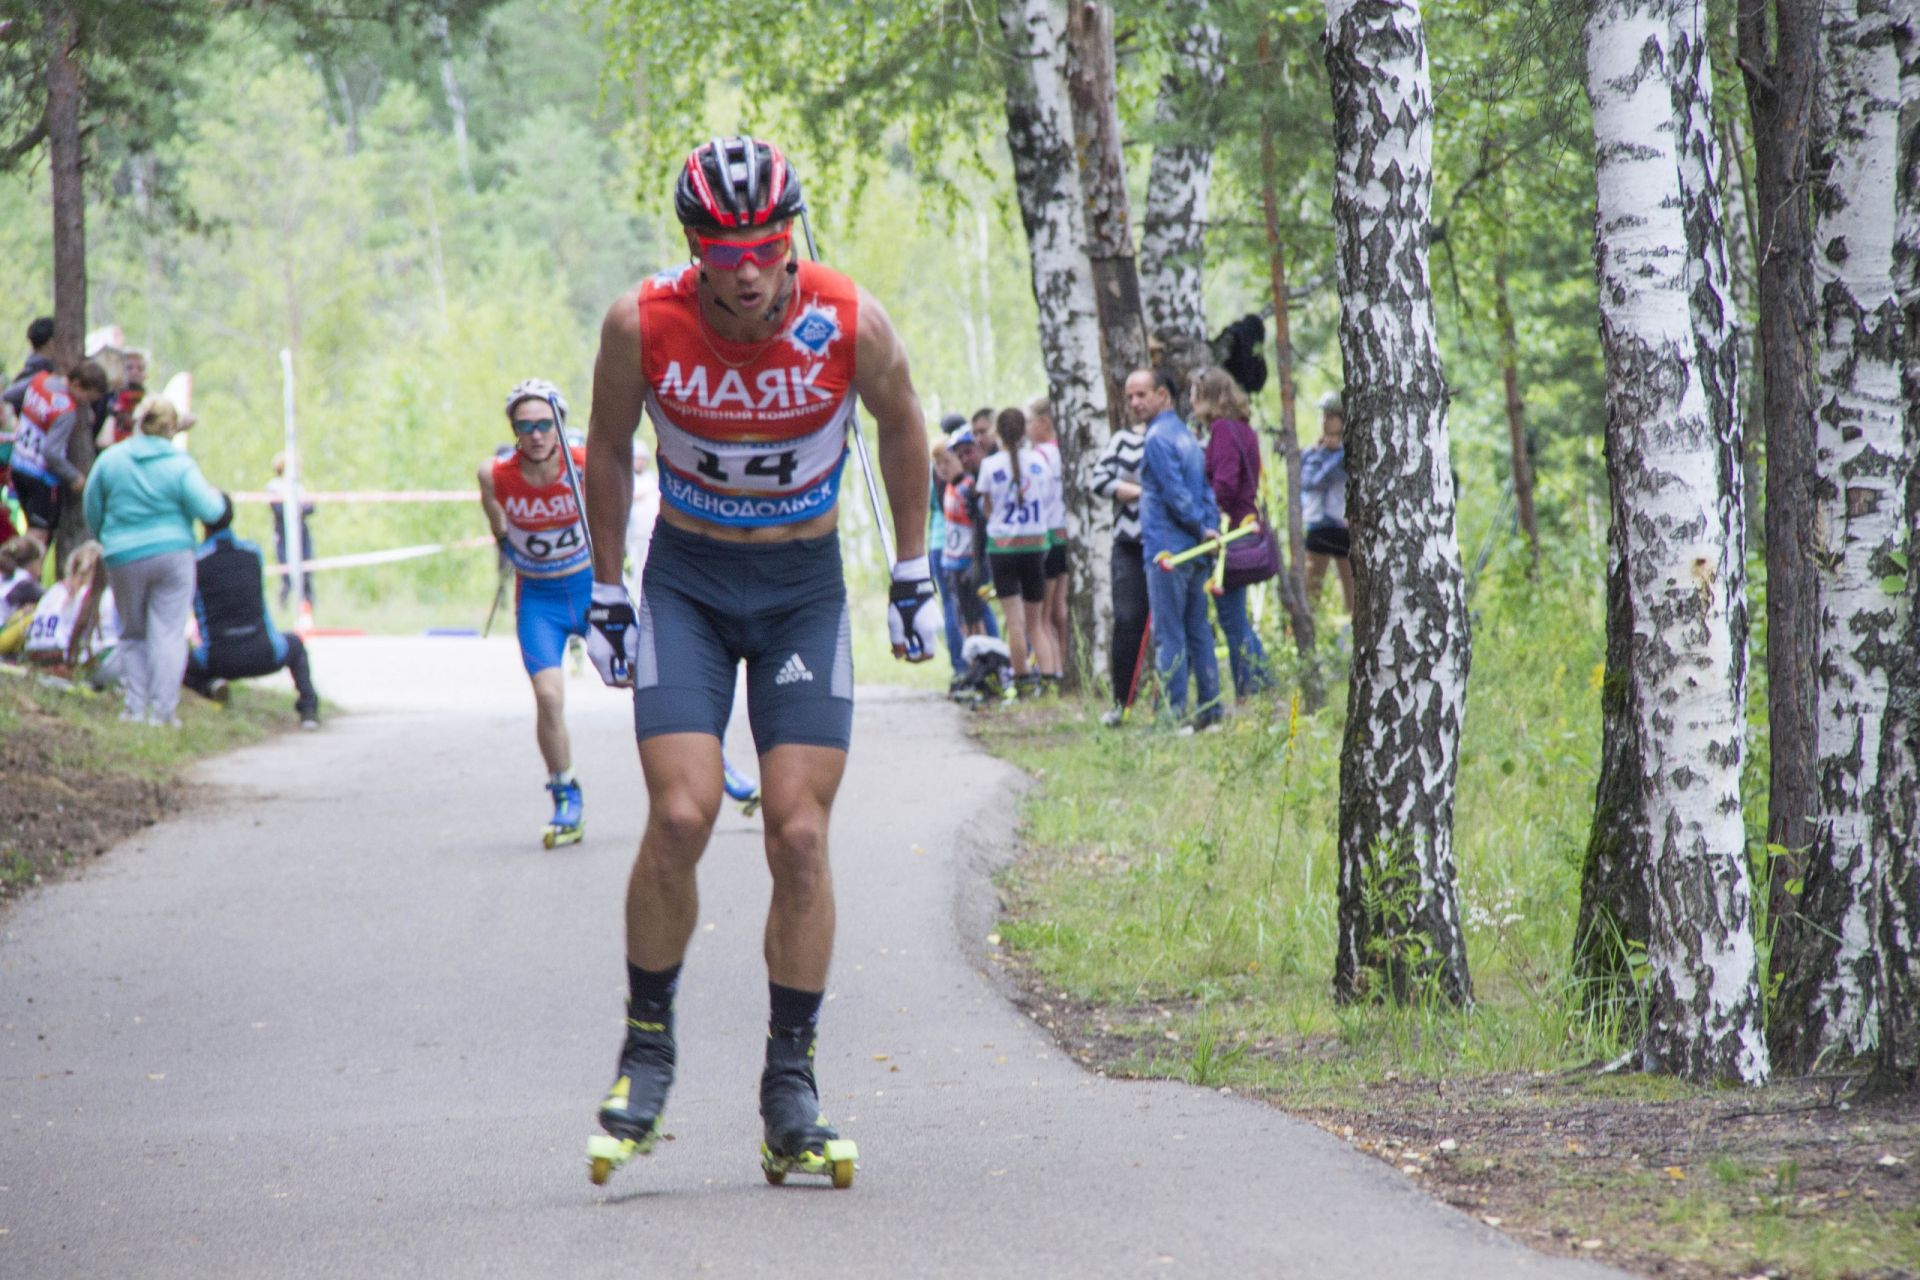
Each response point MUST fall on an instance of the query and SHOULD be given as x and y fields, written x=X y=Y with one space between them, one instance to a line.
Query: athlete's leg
x=1046 y=654
x=1033 y=596
x=1316 y=575
x=1004 y=568
x=797 y=785
x=1057 y=621
x=683 y=799
x=550 y=718
x=1016 y=612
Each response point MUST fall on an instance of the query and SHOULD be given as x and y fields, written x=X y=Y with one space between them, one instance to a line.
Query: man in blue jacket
x=1177 y=510
x=237 y=638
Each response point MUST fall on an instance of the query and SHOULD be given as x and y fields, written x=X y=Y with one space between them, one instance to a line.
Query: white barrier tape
x=382 y=557
x=364 y=495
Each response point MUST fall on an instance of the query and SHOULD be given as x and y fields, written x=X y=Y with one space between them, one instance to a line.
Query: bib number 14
x=777 y=467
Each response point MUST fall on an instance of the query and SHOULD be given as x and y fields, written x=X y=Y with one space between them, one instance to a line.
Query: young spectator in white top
x=76 y=628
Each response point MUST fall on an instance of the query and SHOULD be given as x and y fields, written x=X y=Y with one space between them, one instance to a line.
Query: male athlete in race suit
x=748 y=362
x=531 y=508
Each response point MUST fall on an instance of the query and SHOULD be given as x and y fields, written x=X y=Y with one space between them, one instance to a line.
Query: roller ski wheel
x=564 y=827
x=606 y=1154
x=741 y=789
x=837 y=1159
x=798 y=1139
x=630 y=1113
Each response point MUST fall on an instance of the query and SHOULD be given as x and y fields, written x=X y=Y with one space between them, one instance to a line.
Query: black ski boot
x=798 y=1139
x=630 y=1113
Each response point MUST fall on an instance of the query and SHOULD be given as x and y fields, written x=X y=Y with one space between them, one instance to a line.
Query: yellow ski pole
x=1170 y=560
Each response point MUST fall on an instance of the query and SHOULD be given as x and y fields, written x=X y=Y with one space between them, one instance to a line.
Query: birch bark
x=456 y=98
x=1173 y=233
x=1825 y=1005
x=1676 y=619
x=1092 y=94
x=1399 y=919
x=1047 y=177
x=1896 y=798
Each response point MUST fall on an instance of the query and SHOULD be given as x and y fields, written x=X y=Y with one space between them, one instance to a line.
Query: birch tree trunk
x=1399 y=918
x=1825 y=1006
x=1670 y=808
x=1047 y=177
x=1824 y=950
x=1736 y=186
x=1173 y=233
x=456 y=99
x=1780 y=71
x=1103 y=189
x=1896 y=799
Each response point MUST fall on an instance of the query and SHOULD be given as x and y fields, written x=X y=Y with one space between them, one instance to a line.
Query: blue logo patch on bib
x=815 y=330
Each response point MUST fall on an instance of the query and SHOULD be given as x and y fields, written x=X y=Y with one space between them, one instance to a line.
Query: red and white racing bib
x=750 y=434
x=545 y=538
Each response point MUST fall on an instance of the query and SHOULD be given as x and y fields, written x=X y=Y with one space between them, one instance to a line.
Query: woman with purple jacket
x=1233 y=469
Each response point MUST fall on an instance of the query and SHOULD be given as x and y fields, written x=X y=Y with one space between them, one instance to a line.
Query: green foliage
x=896 y=82
x=1220 y=909
x=411 y=303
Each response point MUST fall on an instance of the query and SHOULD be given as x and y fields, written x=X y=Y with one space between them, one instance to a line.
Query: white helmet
x=536 y=389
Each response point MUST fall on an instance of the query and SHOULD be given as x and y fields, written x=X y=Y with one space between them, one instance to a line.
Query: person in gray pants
x=142 y=498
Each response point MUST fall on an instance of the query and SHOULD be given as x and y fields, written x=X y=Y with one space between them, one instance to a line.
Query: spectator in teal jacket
x=142 y=498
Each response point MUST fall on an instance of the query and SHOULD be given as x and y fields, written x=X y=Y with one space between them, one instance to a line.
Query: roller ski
x=564 y=827
x=798 y=1139
x=630 y=1113
x=741 y=789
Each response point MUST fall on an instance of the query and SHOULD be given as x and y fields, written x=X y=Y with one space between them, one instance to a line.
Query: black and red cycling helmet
x=736 y=182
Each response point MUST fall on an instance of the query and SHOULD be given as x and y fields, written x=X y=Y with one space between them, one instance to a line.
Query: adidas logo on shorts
x=793 y=672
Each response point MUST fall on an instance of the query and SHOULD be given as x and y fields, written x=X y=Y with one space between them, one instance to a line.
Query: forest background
x=416 y=267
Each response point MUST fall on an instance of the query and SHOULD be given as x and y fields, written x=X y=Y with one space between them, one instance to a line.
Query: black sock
x=650 y=991
x=793 y=1012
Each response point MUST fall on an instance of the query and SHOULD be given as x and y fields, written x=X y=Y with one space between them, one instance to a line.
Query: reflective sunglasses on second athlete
x=730 y=255
x=534 y=427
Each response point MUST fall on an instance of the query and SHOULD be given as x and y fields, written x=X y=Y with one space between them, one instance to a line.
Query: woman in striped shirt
x=1117 y=476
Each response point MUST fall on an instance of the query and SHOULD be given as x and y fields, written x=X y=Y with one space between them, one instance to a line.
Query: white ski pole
x=580 y=505
x=859 y=438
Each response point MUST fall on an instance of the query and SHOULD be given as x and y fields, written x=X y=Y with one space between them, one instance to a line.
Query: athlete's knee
x=549 y=688
x=683 y=819
x=797 y=848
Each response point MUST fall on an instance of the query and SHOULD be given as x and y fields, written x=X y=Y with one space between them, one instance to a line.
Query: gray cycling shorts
x=780 y=607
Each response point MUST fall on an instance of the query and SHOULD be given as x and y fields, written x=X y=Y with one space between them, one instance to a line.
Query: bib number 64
x=541 y=547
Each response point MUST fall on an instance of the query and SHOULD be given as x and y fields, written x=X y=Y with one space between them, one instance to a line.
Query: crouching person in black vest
x=237 y=639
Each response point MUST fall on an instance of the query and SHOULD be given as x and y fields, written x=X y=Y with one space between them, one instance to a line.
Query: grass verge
x=1173 y=917
x=74 y=780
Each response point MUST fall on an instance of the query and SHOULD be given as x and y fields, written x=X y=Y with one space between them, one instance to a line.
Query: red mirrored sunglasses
x=730 y=255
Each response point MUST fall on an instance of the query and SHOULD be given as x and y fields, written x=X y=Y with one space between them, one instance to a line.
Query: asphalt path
x=345 y=1017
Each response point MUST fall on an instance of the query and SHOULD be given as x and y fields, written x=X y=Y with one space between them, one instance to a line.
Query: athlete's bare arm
x=496 y=515
x=619 y=398
x=885 y=386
